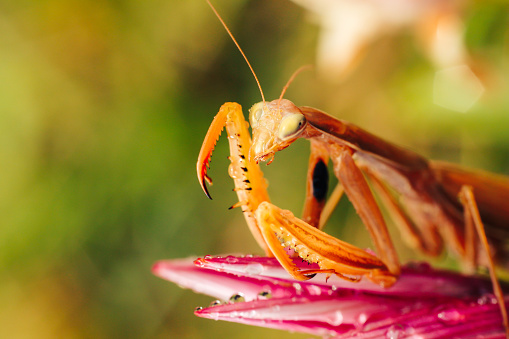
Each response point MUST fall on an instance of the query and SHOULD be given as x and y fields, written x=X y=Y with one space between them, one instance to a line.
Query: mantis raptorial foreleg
x=332 y=255
x=273 y=227
x=250 y=184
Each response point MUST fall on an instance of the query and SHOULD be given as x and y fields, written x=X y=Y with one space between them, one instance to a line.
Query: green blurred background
x=103 y=108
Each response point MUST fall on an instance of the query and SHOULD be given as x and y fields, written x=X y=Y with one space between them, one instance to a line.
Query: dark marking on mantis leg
x=320 y=181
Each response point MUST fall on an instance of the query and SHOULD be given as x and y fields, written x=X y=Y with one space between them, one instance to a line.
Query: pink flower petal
x=424 y=303
x=429 y=281
x=364 y=317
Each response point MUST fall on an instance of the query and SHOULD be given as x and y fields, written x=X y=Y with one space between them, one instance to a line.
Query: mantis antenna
x=294 y=75
x=240 y=49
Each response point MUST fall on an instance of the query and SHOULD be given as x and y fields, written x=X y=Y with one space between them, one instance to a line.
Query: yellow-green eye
x=255 y=113
x=290 y=125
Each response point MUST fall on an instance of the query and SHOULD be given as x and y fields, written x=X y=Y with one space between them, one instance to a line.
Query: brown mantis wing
x=491 y=190
x=492 y=197
x=359 y=139
x=437 y=184
x=405 y=171
x=428 y=189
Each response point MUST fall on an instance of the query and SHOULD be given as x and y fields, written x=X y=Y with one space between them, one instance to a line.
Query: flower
x=424 y=303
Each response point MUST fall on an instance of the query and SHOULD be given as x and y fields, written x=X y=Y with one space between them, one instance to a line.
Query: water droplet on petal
x=487 y=299
x=275 y=308
x=399 y=331
x=199 y=308
x=336 y=319
x=237 y=298
x=451 y=317
x=208 y=257
x=254 y=269
x=314 y=290
x=298 y=288
x=231 y=259
x=395 y=332
x=215 y=303
x=361 y=319
x=264 y=295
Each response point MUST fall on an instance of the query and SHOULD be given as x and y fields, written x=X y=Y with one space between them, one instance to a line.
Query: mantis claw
x=205 y=177
x=208 y=146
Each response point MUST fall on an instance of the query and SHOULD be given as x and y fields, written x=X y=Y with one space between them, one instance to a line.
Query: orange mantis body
x=420 y=195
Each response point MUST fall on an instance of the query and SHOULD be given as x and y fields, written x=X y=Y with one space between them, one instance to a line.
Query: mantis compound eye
x=255 y=114
x=291 y=125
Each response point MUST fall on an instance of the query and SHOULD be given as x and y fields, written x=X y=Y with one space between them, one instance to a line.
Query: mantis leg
x=317 y=184
x=472 y=215
x=471 y=258
x=359 y=193
x=316 y=209
x=331 y=204
x=410 y=233
x=281 y=230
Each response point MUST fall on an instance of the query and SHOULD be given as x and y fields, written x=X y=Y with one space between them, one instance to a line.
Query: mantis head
x=275 y=125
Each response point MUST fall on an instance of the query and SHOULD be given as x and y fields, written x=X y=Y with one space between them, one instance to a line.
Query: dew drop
x=199 y=308
x=451 y=317
x=395 y=332
x=314 y=290
x=263 y=295
x=231 y=259
x=336 y=319
x=298 y=288
x=254 y=269
x=207 y=257
x=487 y=299
x=237 y=298
x=215 y=303
x=199 y=262
x=399 y=331
x=361 y=319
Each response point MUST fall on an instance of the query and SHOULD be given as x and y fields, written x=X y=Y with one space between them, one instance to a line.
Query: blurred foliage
x=103 y=108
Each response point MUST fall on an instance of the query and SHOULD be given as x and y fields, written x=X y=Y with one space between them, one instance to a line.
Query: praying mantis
x=433 y=203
